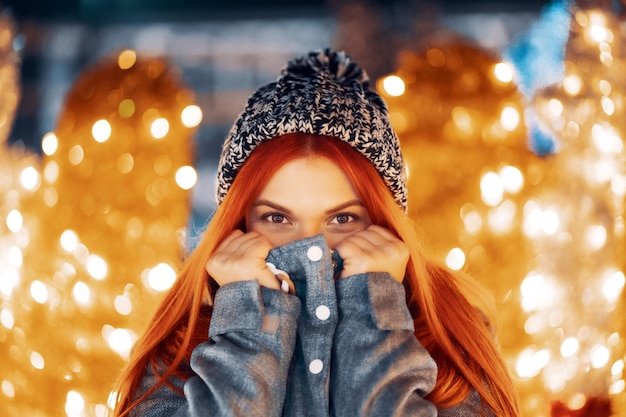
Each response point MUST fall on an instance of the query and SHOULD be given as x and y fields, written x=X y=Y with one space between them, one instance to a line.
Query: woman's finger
x=373 y=250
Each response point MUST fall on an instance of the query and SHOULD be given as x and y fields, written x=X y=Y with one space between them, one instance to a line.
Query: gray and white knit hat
x=321 y=93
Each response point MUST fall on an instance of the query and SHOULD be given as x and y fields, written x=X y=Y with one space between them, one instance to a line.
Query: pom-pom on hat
x=321 y=93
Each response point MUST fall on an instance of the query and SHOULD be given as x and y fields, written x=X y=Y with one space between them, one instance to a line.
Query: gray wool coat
x=338 y=348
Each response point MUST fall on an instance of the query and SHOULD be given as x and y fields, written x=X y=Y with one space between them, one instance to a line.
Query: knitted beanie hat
x=321 y=93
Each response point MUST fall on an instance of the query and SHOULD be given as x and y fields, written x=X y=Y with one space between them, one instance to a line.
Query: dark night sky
x=100 y=11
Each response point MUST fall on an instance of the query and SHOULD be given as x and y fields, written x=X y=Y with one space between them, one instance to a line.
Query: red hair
x=446 y=323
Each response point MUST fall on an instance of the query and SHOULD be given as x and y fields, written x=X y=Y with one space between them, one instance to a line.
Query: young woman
x=309 y=294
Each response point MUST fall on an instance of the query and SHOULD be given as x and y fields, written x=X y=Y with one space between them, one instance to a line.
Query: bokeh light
x=79 y=224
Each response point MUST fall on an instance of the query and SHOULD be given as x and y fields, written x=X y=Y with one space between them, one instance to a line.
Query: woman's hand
x=241 y=257
x=374 y=249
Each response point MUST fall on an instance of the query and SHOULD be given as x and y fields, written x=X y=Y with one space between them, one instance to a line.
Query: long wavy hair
x=450 y=326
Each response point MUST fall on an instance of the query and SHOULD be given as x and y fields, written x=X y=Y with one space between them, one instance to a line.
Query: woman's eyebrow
x=271 y=204
x=345 y=205
x=284 y=209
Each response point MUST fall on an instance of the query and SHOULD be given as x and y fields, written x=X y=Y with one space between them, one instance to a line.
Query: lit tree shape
x=18 y=177
x=459 y=116
x=573 y=297
x=111 y=215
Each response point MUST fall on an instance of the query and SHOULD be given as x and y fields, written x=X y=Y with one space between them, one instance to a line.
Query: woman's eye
x=276 y=218
x=343 y=218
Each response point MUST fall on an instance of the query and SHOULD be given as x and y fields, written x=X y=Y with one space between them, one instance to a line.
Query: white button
x=314 y=253
x=322 y=312
x=315 y=367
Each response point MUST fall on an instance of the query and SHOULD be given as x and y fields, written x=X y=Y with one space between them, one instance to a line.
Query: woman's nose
x=308 y=230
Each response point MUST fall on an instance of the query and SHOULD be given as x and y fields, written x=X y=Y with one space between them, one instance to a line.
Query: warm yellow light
x=9 y=278
x=50 y=196
x=7 y=389
x=125 y=163
x=68 y=269
x=512 y=179
x=618 y=367
x=491 y=189
x=605 y=46
x=49 y=144
x=569 y=347
x=503 y=72
x=462 y=119
x=617 y=387
x=537 y=292
x=97 y=267
x=134 y=228
x=556 y=318
x=534 y=324
x=471 y=218
x=550 y=221
x=599 y=356
x=608 y=106
x=51 y=171
x=532 y=220
x=161 y=277
x=76 y=154
x=6 y=318
x=618 y=185
x=112 y=399
x=603 y=171
x=29 y=178
x=14 y=221
x=555 y=107
x=39 y=291
x=393 y=85
x=186 y=177
x=581 y=18
x=501 y=217
x=101 y=410
x=509 y=118
x=69 y=240
x=191 y=116
x=36 y=360
x=74 y=404
x=595 y=237
x=114 y=146
x=473 y=222
x=120 y=341
x=538 y=221
x=542 y=357
x=531 y=362
x=605 y=87
x=81 y=293
x=577 y=401
x=123 y=305
x=101 y=130
x=162 y=165
x=597 y=33
x=572 y=84
x=126 y=59
x=436 y=57
x=82 y=346
x=455 y=259
x=126 y=108
x=399 y=120
x=15 y=257
x=613 y=285
x=159 y=128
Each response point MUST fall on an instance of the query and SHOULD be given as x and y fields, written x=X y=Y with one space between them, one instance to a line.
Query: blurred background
x=112 y=115
x=227 y=49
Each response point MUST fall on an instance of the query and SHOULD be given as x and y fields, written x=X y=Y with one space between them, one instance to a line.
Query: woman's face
x=306 y=197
